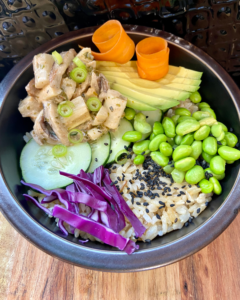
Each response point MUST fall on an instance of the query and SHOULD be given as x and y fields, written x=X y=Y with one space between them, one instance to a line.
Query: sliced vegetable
x=78 y=62
x=121 y=157
x=75 y=136
x=57 y=57
x=59 y=150
x=65 y=109
x=94 y=104
x=79 y=75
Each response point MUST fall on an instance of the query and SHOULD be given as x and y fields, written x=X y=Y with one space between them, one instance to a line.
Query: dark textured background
x=212 y=25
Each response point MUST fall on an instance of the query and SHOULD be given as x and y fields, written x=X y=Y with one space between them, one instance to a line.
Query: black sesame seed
x=146 y=117
x=110 y=151
x=106 y=144
x=176 y=188
x=125 y=147
x=160 y=207
x=111 y=183
x=138 y=203
x=118 y=178
x=179 y=195
x=206 y=203
x=198 y=185
x=237 y=145
x=132 y=200
x=96 y=159
x=172 y=165
x=190 y=220
x=210 y=134
x=171 y=205
x=169 y=194
x=189 y=185
x=186 y=224
x=145 y=204
x=158 y=217
x=143 y=153
x=230 y=129
x=175 y=221
x=115 y=167
x=147 y=241
x=188 y=201
x=183 y=186
x=147 y=210
x=198 y=210
x=219 y=143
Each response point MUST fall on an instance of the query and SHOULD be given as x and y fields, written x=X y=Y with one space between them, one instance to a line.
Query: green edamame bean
x=139 y=159
x=187 y=126
x=203 y=104
x=217 y=189
x=231 y=139
x=175 y=119
x=206 y=186
x=155 y=142
x=140 y=147
x=169 y=127
x=168 y=169
x=129 y=113
x=196 y=149
x=159 y=158
x=229 y=162
x=202 y=133
x=140 y=124
x=195 y=97
x=178 y=176
x=218 y=177
x=210 y=145
x=224 y=127
x=208 y=121
x=224 y=142
x=194 y=175
x=170 y=141
x=152 y=136
x=166 y=149
x=184 y=118
x=181 y=151
x=187 y=139
x=221 y=137
x=178 y=139
x=216 y=130
x=199 y=115
x=207 y=157
x=185 y=164
x=157 y=128
x=132 y=136
x=217 y=165
x=181 y=111
x=229 y=153
x=211 y=111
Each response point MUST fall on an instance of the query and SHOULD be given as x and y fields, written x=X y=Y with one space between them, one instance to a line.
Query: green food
x=217 y=189
x=151 y=118
x=165 y=149
x=65 y=109
x=157 y=128
x=221 y=136
x=216 y=130
x=152 y=136
x=210 y=145
x=185 y=164
x=169 y=127
x=79 y=63
x=138 y=105
x=202 y=133
x=141 y=147
x=199 y=115
x=171 y=141
x=208 y=121
x=57 y=57
x=59 y=150
x=224 y=127
x=207 y=157
x=175 y=119
x=139 y=159
x=140 y=124
x=184 y=118
x=182 y=112
x=206 y=186
x=129 y=113
x=79 y=75
x=181 y=151
x=202 y=105
x=229 y=153
x=217 y=165
x=195 y=97
x=231 y=139
x=178 y=139
x=94 y=104
x=218 y=177
x=121 y=157
x=194 y=175
x=75 y=136
x=40 y=166
x=187 y=126
x=196 y=149
x=155 y=142
x=159 y=158
x=187 y=139
x=168 y=169
x=132 y=136
x=209 y=110
x=178 y=176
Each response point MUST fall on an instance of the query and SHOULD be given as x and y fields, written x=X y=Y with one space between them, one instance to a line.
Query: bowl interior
x=13 y=127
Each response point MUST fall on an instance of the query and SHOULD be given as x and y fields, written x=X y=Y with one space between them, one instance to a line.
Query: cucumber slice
x=100 y=152
x=39 y=166
x=116 y=138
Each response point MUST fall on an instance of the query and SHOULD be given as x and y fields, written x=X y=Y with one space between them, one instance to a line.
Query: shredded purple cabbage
x=96 y=229
x=34 y=201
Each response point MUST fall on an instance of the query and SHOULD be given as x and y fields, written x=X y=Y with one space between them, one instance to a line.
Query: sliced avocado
x=146 y=98
x=127 y=75
x=176 y=79
x=184 y=87
x=162 y=91
x=183 y=72
x=135 y=104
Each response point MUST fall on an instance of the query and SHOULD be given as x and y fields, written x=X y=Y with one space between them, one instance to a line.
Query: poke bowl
x=217 y=89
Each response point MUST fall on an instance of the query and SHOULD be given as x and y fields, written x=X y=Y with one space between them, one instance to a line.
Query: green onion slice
x=65 y=109
x=94 y=104
x=57 y=57
x=75 y=136
x=121 y=157
x=79 y=63
x=59 y=150
x=79 y=75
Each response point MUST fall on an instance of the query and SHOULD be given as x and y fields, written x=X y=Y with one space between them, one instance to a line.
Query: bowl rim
x=118 y=261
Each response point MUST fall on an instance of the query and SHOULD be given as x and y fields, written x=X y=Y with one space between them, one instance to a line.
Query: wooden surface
x=28 y=273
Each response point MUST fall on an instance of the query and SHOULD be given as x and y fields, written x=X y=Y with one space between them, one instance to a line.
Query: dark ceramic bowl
x=217 y=88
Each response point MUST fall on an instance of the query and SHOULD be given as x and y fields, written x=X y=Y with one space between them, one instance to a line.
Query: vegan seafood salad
x=121 y=151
